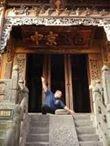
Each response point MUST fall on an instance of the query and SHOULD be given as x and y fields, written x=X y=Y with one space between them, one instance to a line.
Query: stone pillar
x=106 y=86
x=95 y=63
x=107 y=31
x=106 y=83
x=108 y=53
x=15 y=78
x=20 y=61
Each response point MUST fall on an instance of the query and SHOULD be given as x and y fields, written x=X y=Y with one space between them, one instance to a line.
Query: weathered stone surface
x=38 y=134
x=62 y=131
x=61 y=112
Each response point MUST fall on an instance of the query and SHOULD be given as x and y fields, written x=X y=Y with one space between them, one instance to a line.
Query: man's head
x=58 y=94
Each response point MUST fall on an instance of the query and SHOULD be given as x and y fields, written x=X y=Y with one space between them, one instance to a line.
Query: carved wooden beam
x=54 y=21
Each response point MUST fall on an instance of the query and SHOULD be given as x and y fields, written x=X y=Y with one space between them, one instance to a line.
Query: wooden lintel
x=59 y=51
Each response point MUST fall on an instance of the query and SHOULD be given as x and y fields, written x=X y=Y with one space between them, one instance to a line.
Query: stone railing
x=101 y=104
x=14 y=110
x=24 y=121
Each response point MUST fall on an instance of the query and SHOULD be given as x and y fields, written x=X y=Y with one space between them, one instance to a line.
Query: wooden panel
x=95 y=64
x=51 y=50
x=53 y=36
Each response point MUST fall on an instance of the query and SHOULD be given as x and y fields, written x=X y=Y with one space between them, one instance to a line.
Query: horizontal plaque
x=6 y=113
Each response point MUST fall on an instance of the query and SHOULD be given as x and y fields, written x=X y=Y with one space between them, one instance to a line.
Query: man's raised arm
x=44 y=86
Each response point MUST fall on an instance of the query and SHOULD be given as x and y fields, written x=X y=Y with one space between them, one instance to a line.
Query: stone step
x=79 y=123
x=38 y=118
x=40 y=123
x=91 y=143
x=37 y=144
x=38 y=137
x=88 y=137
x=85 y=130
x=39 y=130
x=82 y=116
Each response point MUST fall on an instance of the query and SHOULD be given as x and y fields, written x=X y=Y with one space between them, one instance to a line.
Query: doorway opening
x=67 y=73
x=34 y=73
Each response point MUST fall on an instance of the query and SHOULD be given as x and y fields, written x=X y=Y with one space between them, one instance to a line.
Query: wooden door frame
x=96 y=57
x=68 y=82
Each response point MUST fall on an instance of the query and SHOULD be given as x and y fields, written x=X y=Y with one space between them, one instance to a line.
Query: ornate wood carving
x=37 y=11
x=9 y=58
x=50 y=21
x=1 y=13
x=94 y=66
x=10 y=50
x=58 y=4
x=20 y=60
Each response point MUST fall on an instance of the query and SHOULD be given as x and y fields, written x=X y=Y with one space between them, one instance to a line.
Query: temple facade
x=67 y=42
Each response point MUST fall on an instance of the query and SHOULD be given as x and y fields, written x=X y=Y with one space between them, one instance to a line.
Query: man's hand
x=42 y=79
x=69 y=110
x=72 y=113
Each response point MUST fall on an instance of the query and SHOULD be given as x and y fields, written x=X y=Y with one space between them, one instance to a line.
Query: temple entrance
x=67 y=73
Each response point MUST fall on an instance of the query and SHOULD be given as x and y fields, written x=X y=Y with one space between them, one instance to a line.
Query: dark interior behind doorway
x=34 y=73
x=58 y=74
x=81 y=98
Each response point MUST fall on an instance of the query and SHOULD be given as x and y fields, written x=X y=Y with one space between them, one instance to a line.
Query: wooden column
x=47 y=69
x=68 y=82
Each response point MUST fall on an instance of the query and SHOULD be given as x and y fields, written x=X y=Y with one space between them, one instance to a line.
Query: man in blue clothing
x=52 y=101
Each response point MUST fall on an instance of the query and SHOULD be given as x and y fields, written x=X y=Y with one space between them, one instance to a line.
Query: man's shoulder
x=48 y=92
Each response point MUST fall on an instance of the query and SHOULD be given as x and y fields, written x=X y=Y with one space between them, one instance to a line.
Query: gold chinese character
x=37 y=37
x=51 y=38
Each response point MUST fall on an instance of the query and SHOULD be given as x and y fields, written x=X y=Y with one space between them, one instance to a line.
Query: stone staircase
x=86 y=132
x=39 y=131
x=40 y=134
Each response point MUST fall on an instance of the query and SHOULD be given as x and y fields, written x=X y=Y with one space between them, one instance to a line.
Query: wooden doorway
x=67 y=73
